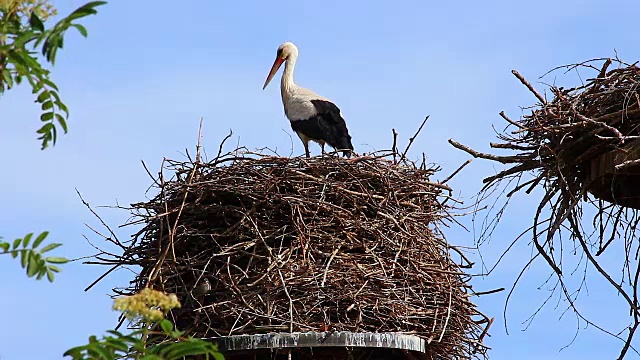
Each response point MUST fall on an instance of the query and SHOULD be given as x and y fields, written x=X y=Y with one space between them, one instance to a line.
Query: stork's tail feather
x=347 y=151
x=346 y=146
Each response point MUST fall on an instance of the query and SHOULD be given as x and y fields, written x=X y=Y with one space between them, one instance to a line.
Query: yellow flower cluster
x=151 y=305
x=23 y=8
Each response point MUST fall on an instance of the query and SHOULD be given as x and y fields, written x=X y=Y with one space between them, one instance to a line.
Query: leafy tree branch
x=32 y=258
x=22 y=36
x=149 y=308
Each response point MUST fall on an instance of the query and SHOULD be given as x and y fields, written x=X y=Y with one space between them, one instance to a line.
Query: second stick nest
x=585 y=139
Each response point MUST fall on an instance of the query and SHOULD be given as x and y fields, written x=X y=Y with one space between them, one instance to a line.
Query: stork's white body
x=312 y=117
x=297 y=101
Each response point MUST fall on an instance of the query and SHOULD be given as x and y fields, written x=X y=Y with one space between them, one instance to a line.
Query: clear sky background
x=149 y=70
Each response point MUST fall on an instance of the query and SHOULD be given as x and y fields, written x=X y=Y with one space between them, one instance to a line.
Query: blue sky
x=139 y=84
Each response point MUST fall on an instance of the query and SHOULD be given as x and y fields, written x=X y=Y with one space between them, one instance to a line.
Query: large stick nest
x=584 y=139
x=582 y=142
x=254 y=244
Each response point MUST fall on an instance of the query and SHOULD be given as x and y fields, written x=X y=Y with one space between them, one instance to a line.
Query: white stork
x=312 y=116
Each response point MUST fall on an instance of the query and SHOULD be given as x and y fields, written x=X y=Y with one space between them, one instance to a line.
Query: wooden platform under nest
x=324 y=345
x=615 y=176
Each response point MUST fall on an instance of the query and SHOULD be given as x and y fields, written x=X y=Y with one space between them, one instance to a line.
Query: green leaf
x=16 y=58
x=55 y=95
x=16 y=243
x=166 y=325
x=38 y=257
x=5 y=246
x=46 y=138
x=54 y=268
x=24 y=258
x=26 y=240
x=54 y=133
x=47 y=105
x=49 y=247
x=56 y=260
x=62 y=107
x=32 y=265
x=62 y=122
x=45 y=129
x=6 y=75
x=31 y=62
x=177 y=334
x=50 y=84
x=186 y=348
x=35 y=22
x=50 y=47
x=41 y=272
x=46 y=116
x=43 y=96
x=81 y=29
x=128 y=338
x=75 y=352
x=43 y=37
x=84 y=10
x=23 y=38
x=117 y=344
x=50 y=275
x=100 y=351
x=37 y=86
x=40 y=239
x=18 y=79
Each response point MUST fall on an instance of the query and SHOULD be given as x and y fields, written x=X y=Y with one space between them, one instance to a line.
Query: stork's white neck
x=287 y=86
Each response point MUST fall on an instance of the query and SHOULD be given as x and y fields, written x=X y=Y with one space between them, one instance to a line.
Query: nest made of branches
x=254 y=244
x=585 y=140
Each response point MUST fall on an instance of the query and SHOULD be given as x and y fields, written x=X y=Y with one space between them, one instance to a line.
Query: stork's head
x=285 y=52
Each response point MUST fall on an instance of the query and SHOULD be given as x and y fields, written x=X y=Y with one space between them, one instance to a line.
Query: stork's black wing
x=333 y=125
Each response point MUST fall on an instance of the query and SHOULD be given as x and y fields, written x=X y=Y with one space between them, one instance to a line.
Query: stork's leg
x=323 y=152
x=306 y=148
x=305 y=142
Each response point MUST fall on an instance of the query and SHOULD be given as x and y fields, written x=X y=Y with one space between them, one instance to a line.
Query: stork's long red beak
x=274 y=70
